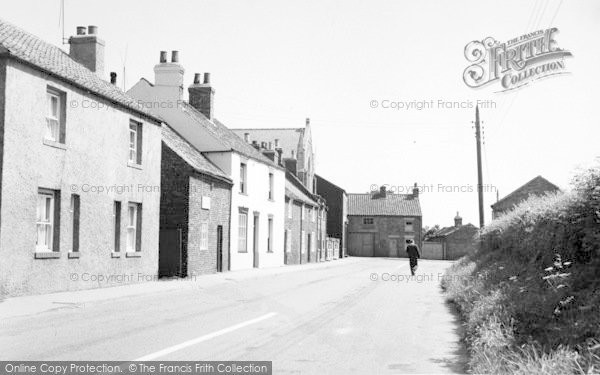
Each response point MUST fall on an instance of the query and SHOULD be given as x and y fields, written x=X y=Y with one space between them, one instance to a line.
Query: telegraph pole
x=479 y=173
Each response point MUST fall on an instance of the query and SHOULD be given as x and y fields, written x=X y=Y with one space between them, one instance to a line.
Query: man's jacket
x=413 y=251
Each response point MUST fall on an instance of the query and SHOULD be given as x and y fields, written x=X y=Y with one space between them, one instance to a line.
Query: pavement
x=350 y=316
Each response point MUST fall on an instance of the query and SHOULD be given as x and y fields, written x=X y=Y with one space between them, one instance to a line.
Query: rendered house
x=80 y=165
x=257 y=206
x=337 y=214
x=457 y=240
x=537 y=186
x=292 y=148
x=195 y=208
x=380 y=223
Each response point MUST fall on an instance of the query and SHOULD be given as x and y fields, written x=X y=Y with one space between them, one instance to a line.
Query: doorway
x=219 y=248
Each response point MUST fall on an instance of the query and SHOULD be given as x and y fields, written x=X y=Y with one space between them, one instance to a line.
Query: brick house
x=80 y=164
x=337 y=213
x=379 y=223
x=195 y=205
x=537 y=186
x=457 y=240
x=257 y=207
x=301 y=224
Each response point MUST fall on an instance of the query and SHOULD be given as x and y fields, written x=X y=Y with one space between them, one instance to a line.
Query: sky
x=274 y=63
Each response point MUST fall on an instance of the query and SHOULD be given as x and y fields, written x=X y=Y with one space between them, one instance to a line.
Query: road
x=330 y=318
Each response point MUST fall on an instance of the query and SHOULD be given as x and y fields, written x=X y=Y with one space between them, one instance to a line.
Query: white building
x=258 y=195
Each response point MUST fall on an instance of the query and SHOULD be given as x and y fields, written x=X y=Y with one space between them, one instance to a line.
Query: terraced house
x=257 y=205
x=80 y=161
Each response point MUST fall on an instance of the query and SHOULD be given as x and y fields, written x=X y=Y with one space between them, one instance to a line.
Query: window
x=270 y=234
x=303 y=242
x=75 y=213
x=408 y=226
x=203 y=236
x=290 y=209
x=134 y=220
x=135 y=142
x=55 y=116
x=368 y=221
x=314 y=215
x=243 y=176
x=117 y=223
x=271 y=187
x=243 y=232
x=302 y=212
x=47 y=223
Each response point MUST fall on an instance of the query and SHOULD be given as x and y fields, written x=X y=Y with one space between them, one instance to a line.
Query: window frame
x=135 y=228
x=117 y=209
x=243 y=218
x=243 y=178
x=135 y=127
x=270 y=234
x=368 y=220
x=204 y=235
x=271 y=186
x=409 y=225
x=49 y=224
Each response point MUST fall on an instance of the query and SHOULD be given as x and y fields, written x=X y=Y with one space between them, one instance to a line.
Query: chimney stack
x=276 y=143
x=279 y=151
x=202 y=96
x=247 y=137
x=457 y=220
x=416 y=191
x=307 y=121
x=168 y=77
x=88 y=50
x=382 y=191
x=113 y=78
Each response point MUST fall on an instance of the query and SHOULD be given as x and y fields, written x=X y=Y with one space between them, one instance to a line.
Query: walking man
x=413 y=254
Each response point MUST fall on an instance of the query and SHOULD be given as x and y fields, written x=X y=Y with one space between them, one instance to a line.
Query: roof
x=537 y=185
x=446 y=231
x=319 y=177
x=28 y=48
x=190 y=154
x=294 y=189
x=288 y=137
x=226 y=135
x=390 y=205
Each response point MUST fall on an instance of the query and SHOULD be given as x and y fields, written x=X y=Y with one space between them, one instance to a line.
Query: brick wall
x=384 y=229
x=461 y=242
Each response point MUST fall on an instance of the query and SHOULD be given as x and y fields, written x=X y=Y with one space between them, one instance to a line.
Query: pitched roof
x=446 y=231
x=319 y=177
x=30 y=49
x=288 y=138
x=537 y=185
x=294 y=189
x=226 y=135
x=390 y=205
x=190 y=154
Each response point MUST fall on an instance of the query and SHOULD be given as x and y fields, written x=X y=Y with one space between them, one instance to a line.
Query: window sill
x=54 y=144
x=242 y=193
x=134 y=165
x=115 y=254
x=133 y=254
x=74 y=254
x=46 y=255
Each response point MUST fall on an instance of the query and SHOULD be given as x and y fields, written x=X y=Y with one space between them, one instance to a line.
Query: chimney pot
x=276 y=143
x=163 y=56
x=382 y=191
x=92 y=30
x=415 y=190
x=246 y=137
x=174 y=56
x=81 y=30
x=113 y=78
x=196 y=78
x=307 y=121
x=206 y=78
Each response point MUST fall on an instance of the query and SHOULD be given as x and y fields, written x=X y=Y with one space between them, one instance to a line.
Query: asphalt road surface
x=351 y=316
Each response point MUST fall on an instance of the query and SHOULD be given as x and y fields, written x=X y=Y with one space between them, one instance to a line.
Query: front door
x=255 y=241
x=219 y=248
x=393 y=247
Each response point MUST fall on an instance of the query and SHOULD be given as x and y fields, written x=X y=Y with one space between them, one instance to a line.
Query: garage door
x=361 y=244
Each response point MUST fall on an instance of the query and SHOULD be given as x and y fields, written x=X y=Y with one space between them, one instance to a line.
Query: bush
x=531 y=295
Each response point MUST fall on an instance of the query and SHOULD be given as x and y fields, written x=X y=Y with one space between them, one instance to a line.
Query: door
x=219 y=248
x=255 y=241
x=361 y=244
x=393 y=247
x=170 y=257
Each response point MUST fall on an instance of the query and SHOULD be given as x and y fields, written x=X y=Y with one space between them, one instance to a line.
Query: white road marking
x=203 y=338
